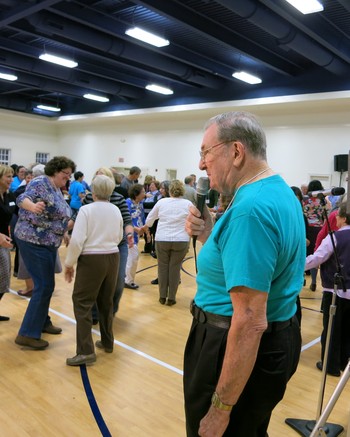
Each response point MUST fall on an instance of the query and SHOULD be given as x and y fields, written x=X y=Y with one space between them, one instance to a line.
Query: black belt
x=225 y=321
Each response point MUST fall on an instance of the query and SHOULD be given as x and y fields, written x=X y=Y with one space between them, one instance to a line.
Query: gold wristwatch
x=215 y=401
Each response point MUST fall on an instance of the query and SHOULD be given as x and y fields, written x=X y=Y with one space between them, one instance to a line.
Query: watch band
x=216 y=402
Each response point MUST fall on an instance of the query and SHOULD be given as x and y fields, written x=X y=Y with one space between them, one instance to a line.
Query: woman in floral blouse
x=313 y=209
x=43 y=219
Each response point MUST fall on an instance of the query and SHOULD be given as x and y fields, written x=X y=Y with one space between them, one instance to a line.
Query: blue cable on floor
x=93 y=404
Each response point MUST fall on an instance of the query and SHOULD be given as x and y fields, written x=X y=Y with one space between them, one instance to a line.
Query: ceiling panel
x=209 y=40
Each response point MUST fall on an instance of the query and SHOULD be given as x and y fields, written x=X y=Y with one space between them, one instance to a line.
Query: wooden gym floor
x=138 y=388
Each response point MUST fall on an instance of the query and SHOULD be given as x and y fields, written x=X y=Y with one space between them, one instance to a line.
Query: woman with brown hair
x=43 y=219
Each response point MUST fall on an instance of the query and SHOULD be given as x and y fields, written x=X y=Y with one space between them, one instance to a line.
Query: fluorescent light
x=306 y=6
x=49 y=108
x=246 y=77
x=147 y=37
x=5 y=76
x=58 y=60
x=96 y=98
x=159 y=89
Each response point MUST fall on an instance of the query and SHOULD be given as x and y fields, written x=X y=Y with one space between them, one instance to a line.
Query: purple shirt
x=322 y=254
x=47 y=228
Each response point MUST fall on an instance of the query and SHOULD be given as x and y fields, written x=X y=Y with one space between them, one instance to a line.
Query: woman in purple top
x=42 y=221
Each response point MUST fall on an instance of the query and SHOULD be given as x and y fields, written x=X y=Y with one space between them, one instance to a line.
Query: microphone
x=337 y=191
x=203 y=186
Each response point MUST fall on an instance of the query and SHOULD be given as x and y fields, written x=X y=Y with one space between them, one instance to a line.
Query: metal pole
x=319 y=427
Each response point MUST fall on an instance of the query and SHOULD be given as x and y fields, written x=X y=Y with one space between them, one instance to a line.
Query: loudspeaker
x=341 y=163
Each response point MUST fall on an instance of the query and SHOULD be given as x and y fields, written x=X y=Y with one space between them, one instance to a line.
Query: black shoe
x=154 y=255
x=313 y=287
x=94 y=321
x=4 y=319
x=132 y=286
x=320 y=367
x=162 y=300
x=155 y=281
x=171 y=302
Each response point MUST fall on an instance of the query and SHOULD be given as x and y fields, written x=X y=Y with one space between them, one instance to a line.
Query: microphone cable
x=194 y=240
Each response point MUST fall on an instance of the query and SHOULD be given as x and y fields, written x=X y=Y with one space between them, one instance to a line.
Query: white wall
x=26 y=135
x=155 y=147
x=300 y=151
x=303 y=137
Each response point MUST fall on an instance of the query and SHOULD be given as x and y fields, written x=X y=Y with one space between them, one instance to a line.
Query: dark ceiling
x=209 y=40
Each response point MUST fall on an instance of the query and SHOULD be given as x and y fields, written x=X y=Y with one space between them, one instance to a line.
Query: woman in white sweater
x=171 y=239
x=97 y=232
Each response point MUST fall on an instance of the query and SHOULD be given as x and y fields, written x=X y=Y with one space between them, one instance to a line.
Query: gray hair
x=102 y=187
x=38 y=170
x=243 y=127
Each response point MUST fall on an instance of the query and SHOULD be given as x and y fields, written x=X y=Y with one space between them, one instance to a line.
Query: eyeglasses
x=203 y=153
x=66 y=173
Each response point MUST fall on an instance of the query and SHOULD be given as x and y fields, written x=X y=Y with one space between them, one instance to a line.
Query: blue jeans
x=40 y=263
x=123 y=257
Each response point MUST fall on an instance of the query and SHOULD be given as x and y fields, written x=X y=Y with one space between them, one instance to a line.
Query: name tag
x=12 y=204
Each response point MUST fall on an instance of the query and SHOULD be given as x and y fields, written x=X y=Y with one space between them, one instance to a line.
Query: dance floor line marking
x=143 y=354
x=117 y=342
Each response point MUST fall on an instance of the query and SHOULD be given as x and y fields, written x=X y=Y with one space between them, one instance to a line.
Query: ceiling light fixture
x=6 y=76
x=58 y=60
x=147 y=37
x=96 y=98
x=246 y=77
x=49 y=108
x=306 y=6
x=159 y=89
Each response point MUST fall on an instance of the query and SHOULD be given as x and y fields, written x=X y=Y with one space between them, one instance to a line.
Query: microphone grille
x=203 y=186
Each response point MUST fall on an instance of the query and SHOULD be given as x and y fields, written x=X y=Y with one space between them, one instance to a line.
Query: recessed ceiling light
x=58 y=60
x=147 y=37
x=246 y=77
x=159 y=89
x=5 y=76
x=306 y=6
x=49 y=108
x=96 y=98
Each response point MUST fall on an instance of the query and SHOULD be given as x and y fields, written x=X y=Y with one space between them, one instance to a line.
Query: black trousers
x=339 y=349
x=277 y=360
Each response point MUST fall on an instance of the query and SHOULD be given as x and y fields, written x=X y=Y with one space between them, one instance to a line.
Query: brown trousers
x=95 y=281
x=170 y=255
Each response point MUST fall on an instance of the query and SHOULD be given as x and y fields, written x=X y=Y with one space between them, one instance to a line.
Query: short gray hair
x=243 y=127
x=102 y=187
x=38 y=170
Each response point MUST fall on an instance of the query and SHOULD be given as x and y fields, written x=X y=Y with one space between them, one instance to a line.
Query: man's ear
x=238 y=151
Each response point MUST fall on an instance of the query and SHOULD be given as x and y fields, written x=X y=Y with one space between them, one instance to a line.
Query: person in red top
x=332 y=218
